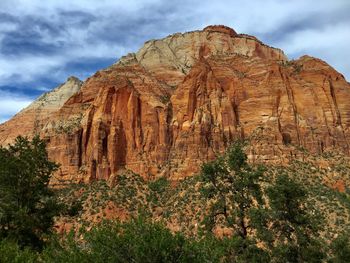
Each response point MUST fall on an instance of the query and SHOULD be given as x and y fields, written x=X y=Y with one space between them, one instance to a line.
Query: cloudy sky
x=44 y=42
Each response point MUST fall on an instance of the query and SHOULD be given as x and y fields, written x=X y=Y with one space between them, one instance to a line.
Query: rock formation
x=180 y=100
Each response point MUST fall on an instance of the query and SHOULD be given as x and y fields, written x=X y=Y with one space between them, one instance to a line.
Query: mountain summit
x=181 y=100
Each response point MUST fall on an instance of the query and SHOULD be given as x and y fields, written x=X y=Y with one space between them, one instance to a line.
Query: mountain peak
x=176 y=54
x=221 y=29
x=73 y=79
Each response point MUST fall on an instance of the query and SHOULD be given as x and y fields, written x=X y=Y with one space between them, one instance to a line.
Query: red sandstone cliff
x=180 y=100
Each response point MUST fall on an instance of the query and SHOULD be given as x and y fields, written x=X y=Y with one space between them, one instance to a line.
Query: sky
x=42 y=43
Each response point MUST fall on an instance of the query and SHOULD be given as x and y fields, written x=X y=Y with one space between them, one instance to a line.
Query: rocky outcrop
x=181 y=100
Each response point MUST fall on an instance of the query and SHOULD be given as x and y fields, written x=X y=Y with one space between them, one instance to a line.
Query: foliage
x=237 y=249
x=159 y=185
x=340 y=248
x=280 y=218
x=11 y=252
x=134 y=241
x=158 y=188
x=27 y=204
x=142 y=241
x=72 y=209
x=294 y=227
x=233 y=188
x=274 y=220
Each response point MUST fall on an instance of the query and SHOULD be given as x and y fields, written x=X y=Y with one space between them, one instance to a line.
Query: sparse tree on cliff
x=289 y=232
x=294 y=228
x=27 y=204
x=233 y=189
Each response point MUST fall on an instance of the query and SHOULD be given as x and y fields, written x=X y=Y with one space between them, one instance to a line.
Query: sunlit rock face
x=181 y=100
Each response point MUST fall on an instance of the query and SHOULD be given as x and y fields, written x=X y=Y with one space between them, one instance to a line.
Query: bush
x=11 y=252
x=159 y=185
x=340 y=249
x=135 y=241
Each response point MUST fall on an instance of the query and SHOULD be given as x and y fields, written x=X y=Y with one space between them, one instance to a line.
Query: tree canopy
x=27 y=204
x=233 y=186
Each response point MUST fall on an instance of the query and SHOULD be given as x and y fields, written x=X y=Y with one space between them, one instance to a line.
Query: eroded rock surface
x=180 y=100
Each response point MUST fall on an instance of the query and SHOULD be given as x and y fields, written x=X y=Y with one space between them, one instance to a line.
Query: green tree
x=295 y=227
x=233 y=189
x=27 y=204
x=340 y=249
x=11 y=252
x=135 y=241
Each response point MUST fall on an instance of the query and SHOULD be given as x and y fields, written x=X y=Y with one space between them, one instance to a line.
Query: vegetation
x=232 y=211
x=27 y=204
x=134 y=241
x=11 y=252
x=294 y=227
x=234 y=190
x=278 y=218
x=340 y=249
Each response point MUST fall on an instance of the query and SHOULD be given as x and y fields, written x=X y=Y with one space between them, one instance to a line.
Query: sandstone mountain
x=180 y=100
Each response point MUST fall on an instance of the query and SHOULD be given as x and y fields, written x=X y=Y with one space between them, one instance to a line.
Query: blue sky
x=44 y=42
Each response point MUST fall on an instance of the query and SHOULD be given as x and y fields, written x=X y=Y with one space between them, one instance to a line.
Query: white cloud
x=7 y=27
x=26 y=68
x=75 y=40
x=266 y=16
x=29 y=67
x=330 y=43
x=318 y=38
x=45 y=7
x=10 y=104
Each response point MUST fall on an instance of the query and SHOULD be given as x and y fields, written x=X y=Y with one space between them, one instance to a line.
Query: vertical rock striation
x=180 y=100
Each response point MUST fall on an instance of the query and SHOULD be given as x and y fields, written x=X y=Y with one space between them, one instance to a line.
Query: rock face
x=180 y=101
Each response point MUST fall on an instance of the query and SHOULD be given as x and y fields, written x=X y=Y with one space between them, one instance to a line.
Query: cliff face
x=180 y=101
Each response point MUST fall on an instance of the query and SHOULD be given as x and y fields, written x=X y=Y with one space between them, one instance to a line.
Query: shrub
x=134 y=241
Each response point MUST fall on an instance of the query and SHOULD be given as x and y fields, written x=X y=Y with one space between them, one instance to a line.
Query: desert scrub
x=69 y=126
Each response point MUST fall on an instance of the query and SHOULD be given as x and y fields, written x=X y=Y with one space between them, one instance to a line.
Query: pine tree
x=294 y=227
x=233 y=188
x=27 y=204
